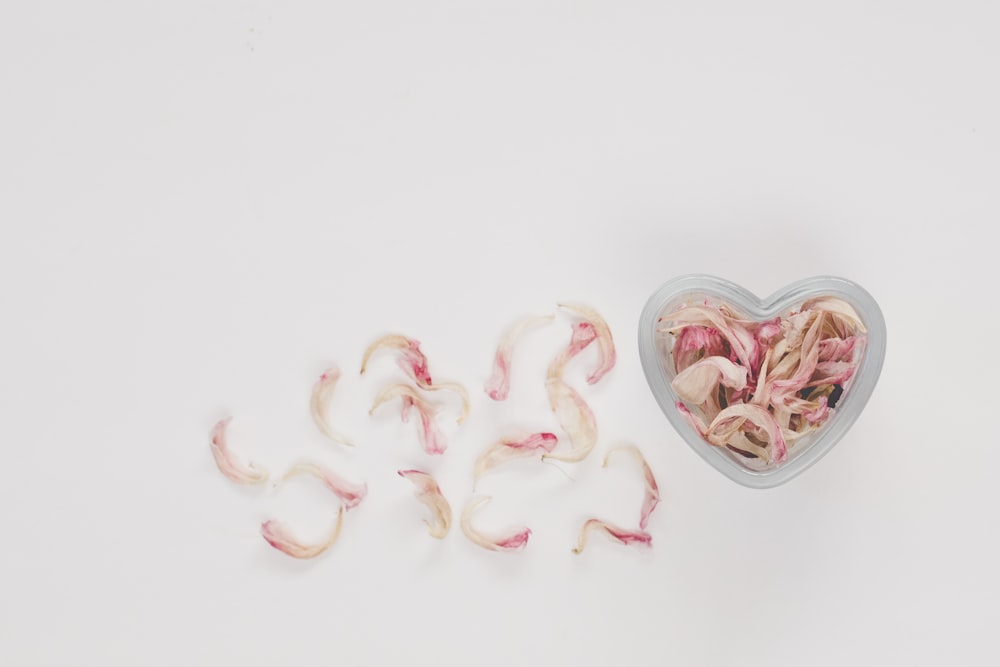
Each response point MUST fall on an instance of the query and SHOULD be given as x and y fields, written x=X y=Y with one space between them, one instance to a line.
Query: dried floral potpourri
x=319 y=405
x=229 y=465
x=429 y=493
x=414 y=363
x=498 y=386
x=757 y=387
x=511 y=542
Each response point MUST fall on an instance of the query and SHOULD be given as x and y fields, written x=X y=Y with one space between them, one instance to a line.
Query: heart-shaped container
x=655 y=354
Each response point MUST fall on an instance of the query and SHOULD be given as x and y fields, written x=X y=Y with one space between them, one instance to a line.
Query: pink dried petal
x=281 y=538
x=584 y=333
x=838 y=349
x=780 y=389
x=509 y=449
x=576 y=419
x=512 y=542
x=411 y=359
x=832 y=372
x=620 y=534
x=695 y=342
x=350 y=493
x=839 y=308
x=741 y=341
x=431 y=439
x=498 y=386
x=320 y=402
x=700 y=380
x=757 y=416
x=605 y=343
x=227 y=462
x=429 y=493
x=818 y=414
x=652 y=495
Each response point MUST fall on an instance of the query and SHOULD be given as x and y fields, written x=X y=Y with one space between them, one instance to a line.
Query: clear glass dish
x=655 y=354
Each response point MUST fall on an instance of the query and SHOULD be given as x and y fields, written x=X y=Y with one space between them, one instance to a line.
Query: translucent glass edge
x=852 y=405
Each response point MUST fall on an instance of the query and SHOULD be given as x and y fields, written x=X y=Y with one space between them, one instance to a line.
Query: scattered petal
x=512 y=542
x=227 y=462
x=411 y=360
x=350 y=493
x=620 y=534
x=320 y=403
x=455 y=387
x=431 y=439
x=605 y=343
x=281 y=538
x=576 y=419
x=429 y=493
x=652 y=496
x=584 y=333
x=498 y=386
x=508 y=449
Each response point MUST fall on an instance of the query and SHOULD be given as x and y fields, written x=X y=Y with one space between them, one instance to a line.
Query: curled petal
x=605 y=343
x=742 y=343
x=576 y=419
x=509 y=449
x=411 y=359
x=429 y=493
x=652 y=496
x=455 y=387
x=320 y=403
x=228 y=464
x=818 y=414
x=701 y=379
x=350 y=493
x=431 y=439
x=414 y=363
x=734 y=417
x=838 y=349
x=620 y=534
x=512 y=542
x=281 y=538
x=498 y=386
x=694 y=343
x=584 y=333
x=840 y=310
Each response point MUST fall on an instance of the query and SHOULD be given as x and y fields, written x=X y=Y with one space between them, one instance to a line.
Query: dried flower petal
x=700 y=380
x=431 y=439
x=576 y=419
x=652 y=496
x=414 y=363
x=742 y=343
x=350 y=493
x=320 y=402
x=620 y=534
x=694 y=343
x=512 y=542
x=584 y=333
x=498 y=386
x=412 y=360
x=279 y=536
x=508 y=449
x=605 y=343
x=839 y=308
x=228 y=464
x=429 y=493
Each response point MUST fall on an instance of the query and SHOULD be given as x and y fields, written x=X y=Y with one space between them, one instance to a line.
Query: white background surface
x=203 y=204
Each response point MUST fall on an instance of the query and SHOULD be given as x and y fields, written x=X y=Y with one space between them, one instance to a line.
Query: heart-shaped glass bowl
x=655 y=353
